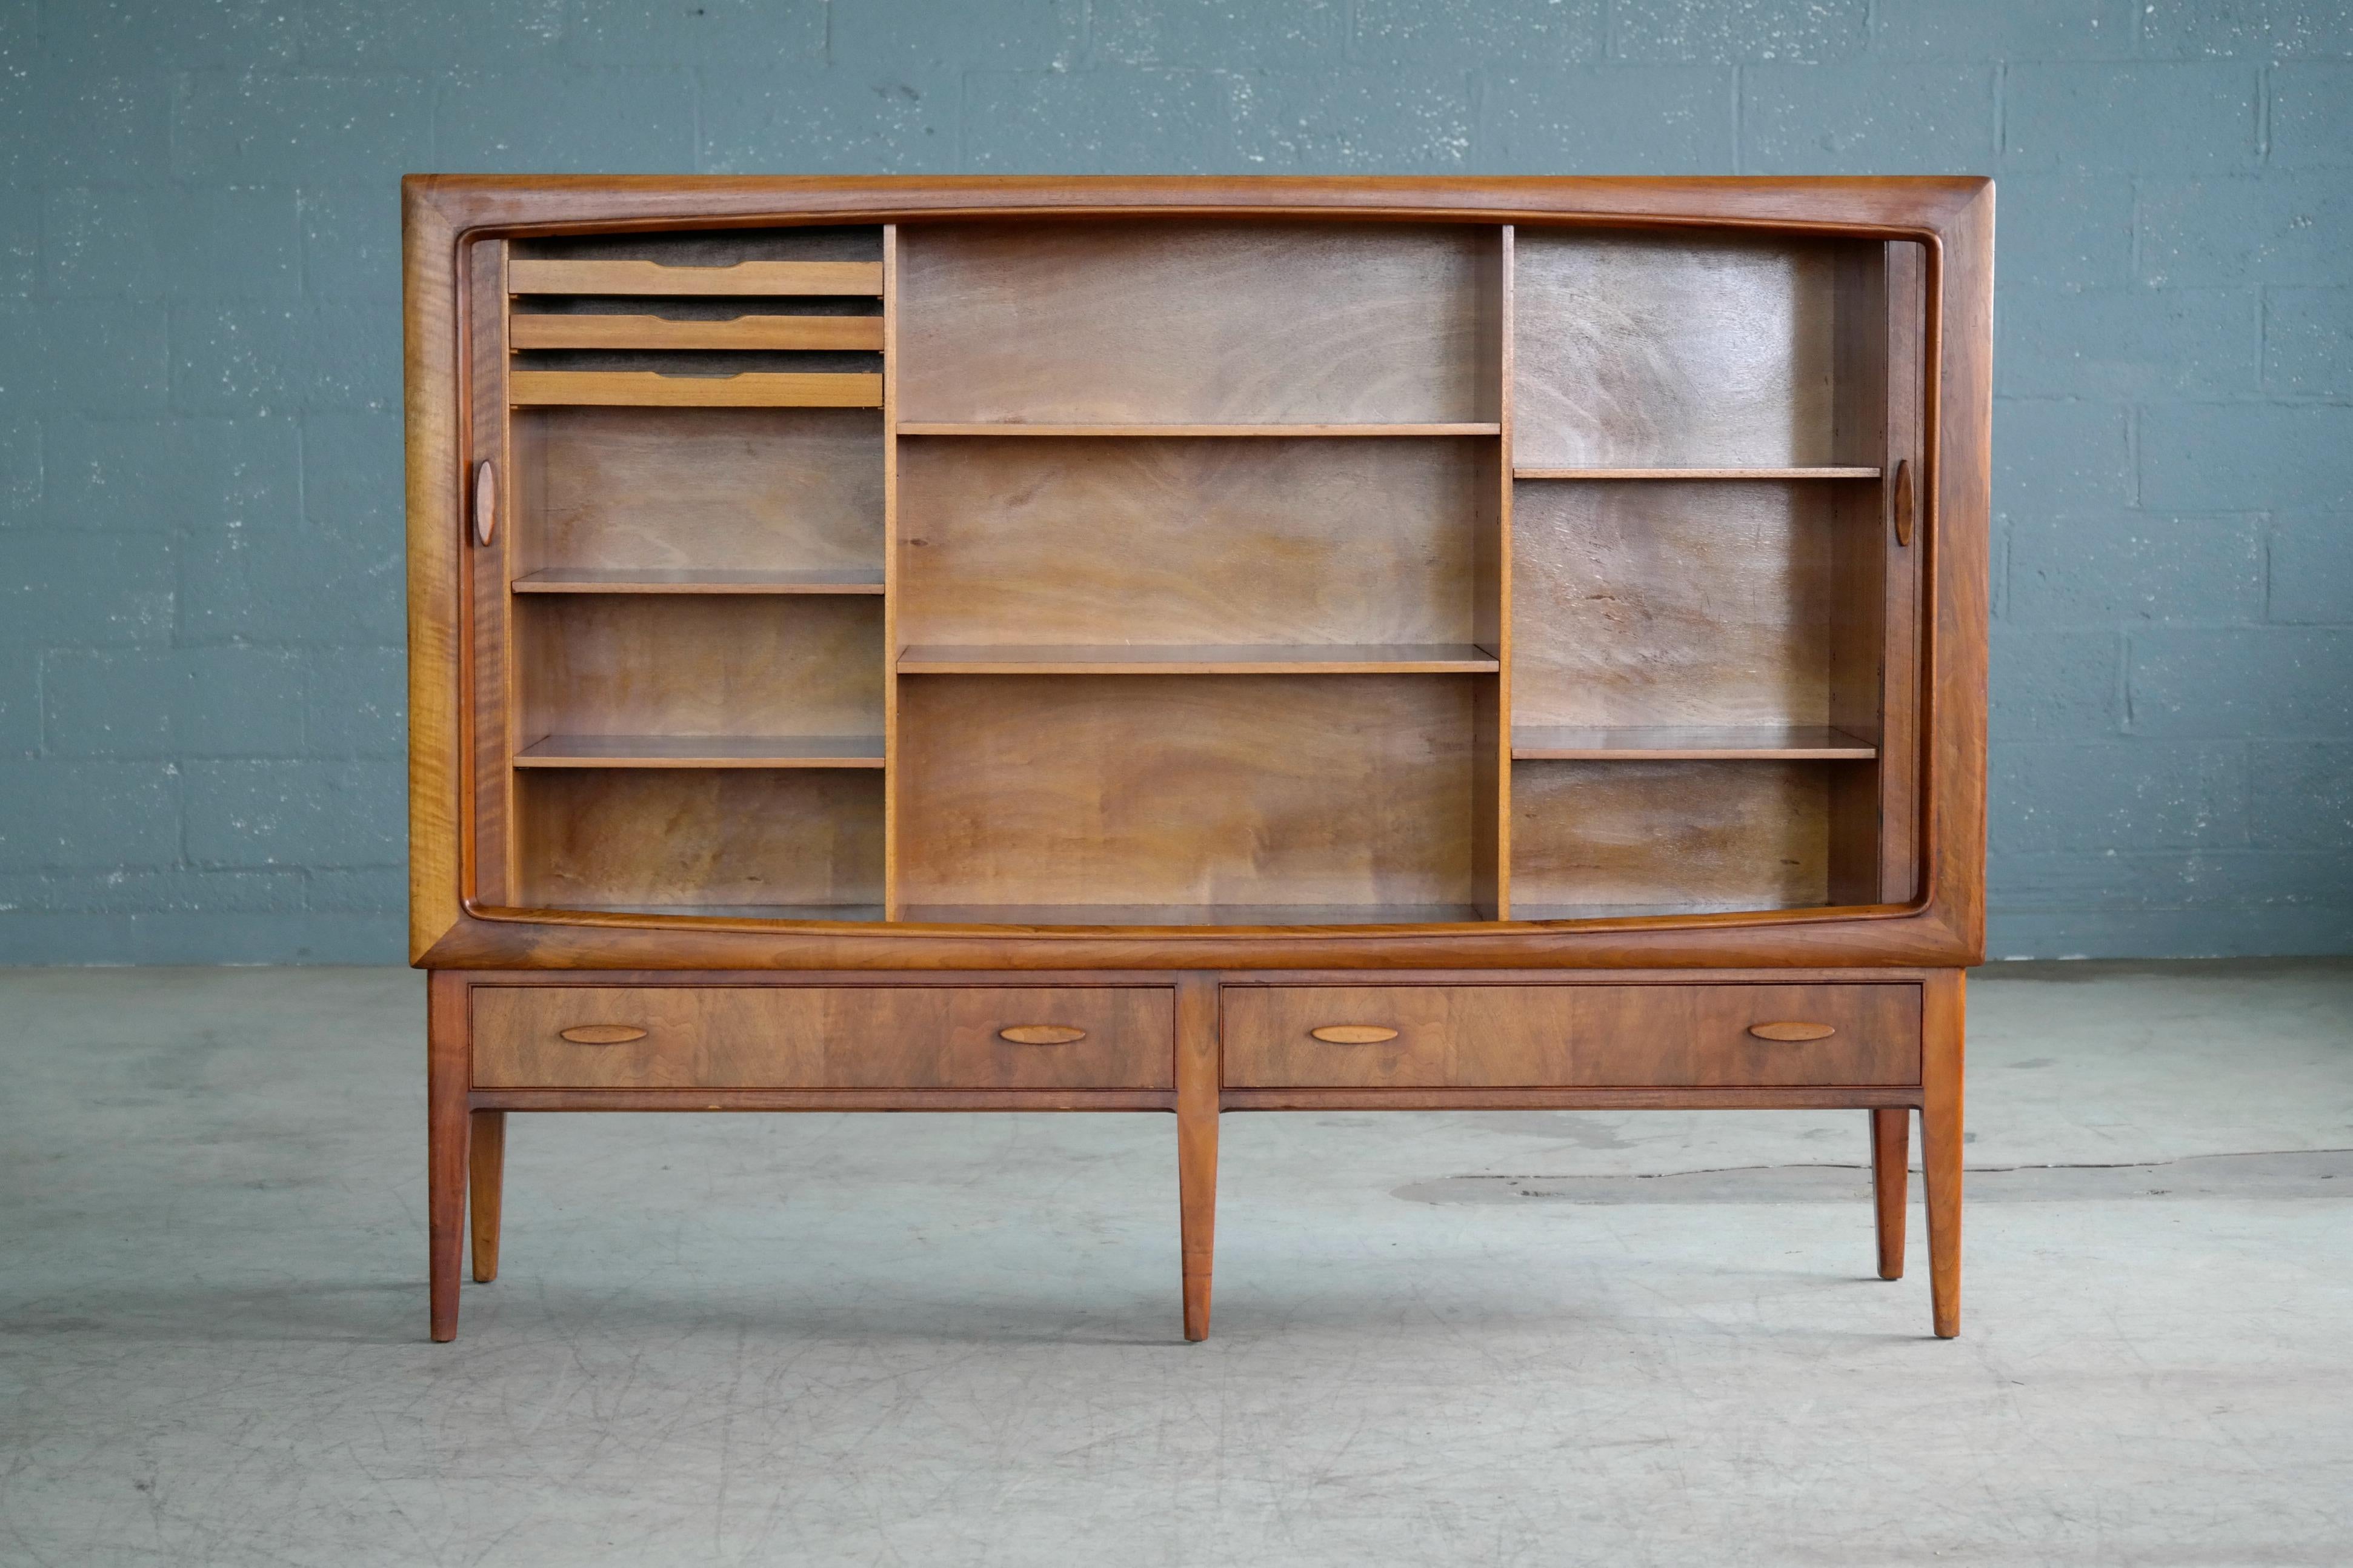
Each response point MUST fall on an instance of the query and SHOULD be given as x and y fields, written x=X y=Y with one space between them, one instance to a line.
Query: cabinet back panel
x=1655 y=352
x=624 y=664
x=689 y=839
x=1155 y=323
x=1659 y=603
x=1101 y=540
x=1687 y=836
x=1069 y=790
x=742 y=489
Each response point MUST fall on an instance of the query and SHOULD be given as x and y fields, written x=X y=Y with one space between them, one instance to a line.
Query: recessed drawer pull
x=1791 y=1031
x=486 y=502
x=1354 y=1034
x=1041 y=1034
x=603 y=1034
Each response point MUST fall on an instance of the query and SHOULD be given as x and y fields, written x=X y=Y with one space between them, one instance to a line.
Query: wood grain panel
x=1661 y=351
x=1100 y=790
x=1491 y=1037
x=1686 y=835
x=689 y=839
x=1663 y=606
x=738 y=489
x=491 y=439
x=824 y=1037
x=1042 y=541
x=1197 y=322
x=666 y=665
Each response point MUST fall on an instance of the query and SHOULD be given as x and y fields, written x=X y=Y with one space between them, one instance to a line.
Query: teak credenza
x=1197 y=644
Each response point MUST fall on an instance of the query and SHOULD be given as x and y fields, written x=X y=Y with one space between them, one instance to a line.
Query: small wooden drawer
x=1570 y=1036
x=829 y=1036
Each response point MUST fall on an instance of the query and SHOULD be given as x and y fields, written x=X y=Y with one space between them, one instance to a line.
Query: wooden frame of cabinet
x=1572 y=593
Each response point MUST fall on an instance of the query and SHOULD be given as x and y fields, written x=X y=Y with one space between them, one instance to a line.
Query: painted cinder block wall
x=200 y=496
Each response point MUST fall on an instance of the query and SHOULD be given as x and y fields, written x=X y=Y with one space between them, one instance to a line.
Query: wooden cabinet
x=1193 y=644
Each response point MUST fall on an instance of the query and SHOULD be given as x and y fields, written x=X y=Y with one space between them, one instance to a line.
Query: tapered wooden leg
x=1196 y=1140
x=488 y=1166
x=1891 y=1161
x=445 y=1142
x=1940 y=1146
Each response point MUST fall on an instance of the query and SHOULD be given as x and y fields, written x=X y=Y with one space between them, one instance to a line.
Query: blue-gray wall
x=200 y=512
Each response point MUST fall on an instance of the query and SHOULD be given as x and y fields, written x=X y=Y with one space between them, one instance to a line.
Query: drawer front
x=847 y=1036
x=1569 y=1037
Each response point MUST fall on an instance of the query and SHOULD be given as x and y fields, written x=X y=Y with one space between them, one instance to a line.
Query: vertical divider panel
x=1900 y=771
x=1499 y=609
x=889 y=570
x=490 y=824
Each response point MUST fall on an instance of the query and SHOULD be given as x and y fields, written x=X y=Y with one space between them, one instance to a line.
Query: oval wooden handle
x=1791 y=1031
x=603 y=1034
x=486 y=502
x=1041 y=1034
x=1905 y=502
x=1354 y=1034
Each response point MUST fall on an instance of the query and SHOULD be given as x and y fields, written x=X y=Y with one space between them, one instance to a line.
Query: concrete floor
x=1497 y=1338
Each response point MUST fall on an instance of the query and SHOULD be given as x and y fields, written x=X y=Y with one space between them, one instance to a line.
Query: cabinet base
x=1444 y=1066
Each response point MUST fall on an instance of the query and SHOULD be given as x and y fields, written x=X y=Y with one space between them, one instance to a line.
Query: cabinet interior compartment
x=1658 y=351
x=725 y=496
x=718 y=667
x=1592 y=839
x=1199 y=570
x=801 y=844
x=1083 y=799
x=1732 y=604
x=1697 y=672
x=1168 y=542
x=1148 y=323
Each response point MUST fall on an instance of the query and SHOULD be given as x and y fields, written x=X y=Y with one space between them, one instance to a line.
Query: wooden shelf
x=703 y=752
x=1521 y=911
x=745 y=277
x=738 y=912
x=1271 y=659
x=696 y=580
x=1547 y=742
x=651 y=389
x=1190 y=914
x=935 y=427
x=1830 y=473
x=745 y=333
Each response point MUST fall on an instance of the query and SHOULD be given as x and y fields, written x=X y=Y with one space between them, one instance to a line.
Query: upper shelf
x=1273 y=659
x=946 y=427
x=703 y=752
x=651 y=389
x=1553 y=742
x=1696 y=473
x=745 y=277
x=696 y=580
x=744 y=333
x=1192 y=914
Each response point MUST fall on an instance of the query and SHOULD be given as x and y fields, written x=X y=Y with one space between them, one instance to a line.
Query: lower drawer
x=832 y=1037
x=1569 y=1037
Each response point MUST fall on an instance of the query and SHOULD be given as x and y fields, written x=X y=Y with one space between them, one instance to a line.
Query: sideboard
x=1196 y=646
